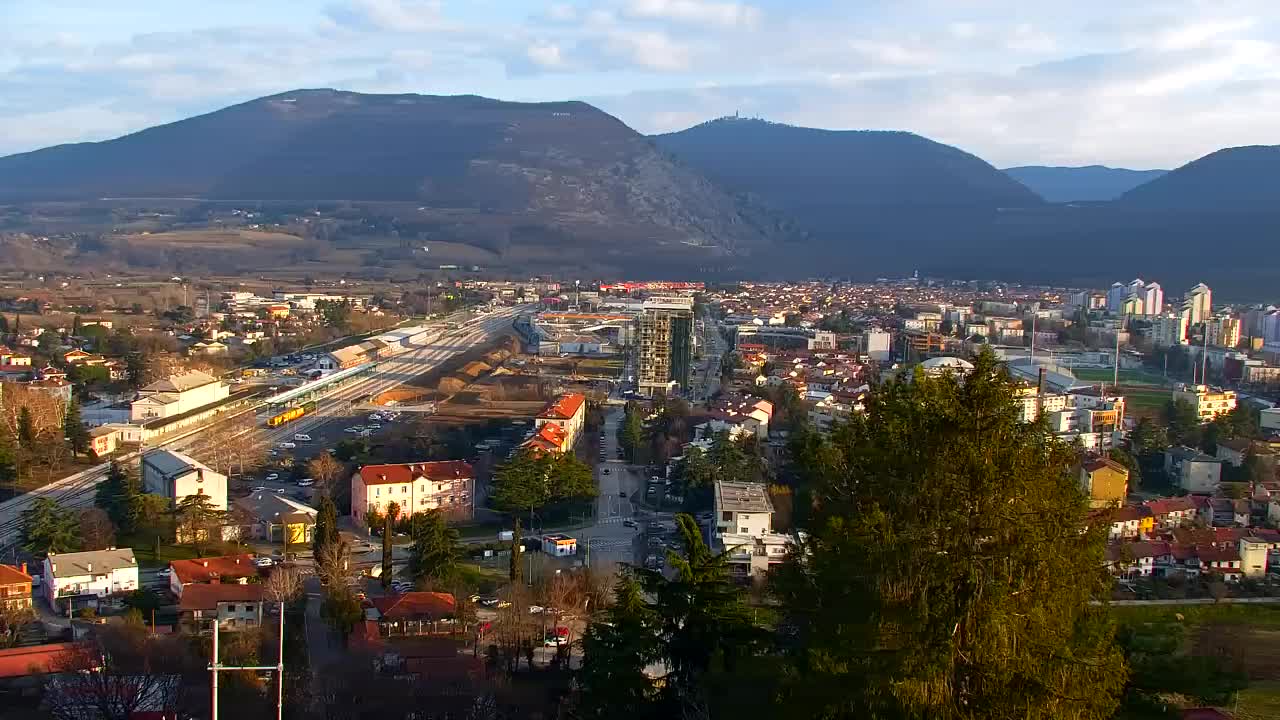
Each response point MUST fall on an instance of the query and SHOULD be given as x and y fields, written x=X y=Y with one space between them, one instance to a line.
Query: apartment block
x=666 y=344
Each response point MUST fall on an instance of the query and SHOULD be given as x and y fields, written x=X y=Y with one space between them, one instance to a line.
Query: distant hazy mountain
x=558 y=174
x=1092 y=182
x=808 y=170
x=1240 y=178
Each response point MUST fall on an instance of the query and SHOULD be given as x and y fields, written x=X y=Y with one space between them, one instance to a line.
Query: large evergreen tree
x=948 y=571
x=433 y=558
x=120 y=495
x=530 y=480
x=27 y=434
x=73 y=427
x=47 y=528
x=612 y=681
x=198 y=520
x=326 y=530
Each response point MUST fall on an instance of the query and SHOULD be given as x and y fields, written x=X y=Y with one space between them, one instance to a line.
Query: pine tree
x=516 y=571
x=948 y=571
x=326 y=529
x=47 y=528
x=198 y=519
x=75 y=326
x=433 y=558
x=612 y=682
x=388 y=527
x=73 y=427
x=26 y=429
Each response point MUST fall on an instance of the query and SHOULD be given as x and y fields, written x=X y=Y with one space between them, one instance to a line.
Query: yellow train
x=291 y=414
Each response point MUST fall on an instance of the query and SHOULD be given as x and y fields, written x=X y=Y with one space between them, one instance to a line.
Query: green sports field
x=1127 y=377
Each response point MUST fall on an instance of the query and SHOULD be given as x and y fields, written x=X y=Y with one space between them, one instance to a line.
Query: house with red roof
x=15 y=587
x=1172 y=512
x=413 y=613
x=227 y=569
x=569 y=413
x=444 y=485
x=21 y=662
x=235 y=607
x=549 y=438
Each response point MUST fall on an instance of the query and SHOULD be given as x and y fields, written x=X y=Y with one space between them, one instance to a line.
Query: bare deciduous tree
x=284 y=584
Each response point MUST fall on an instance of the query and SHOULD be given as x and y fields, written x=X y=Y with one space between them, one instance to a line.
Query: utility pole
x=215 y=667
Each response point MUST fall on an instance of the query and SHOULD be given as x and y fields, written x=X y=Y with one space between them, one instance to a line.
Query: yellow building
x=1106 y=482
x=1207 y=402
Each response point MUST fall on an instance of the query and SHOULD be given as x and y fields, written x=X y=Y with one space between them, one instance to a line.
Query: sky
x=1129 y=83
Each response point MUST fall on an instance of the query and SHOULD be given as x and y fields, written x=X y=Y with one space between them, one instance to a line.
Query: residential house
x=226 y=569
x=104 y=440
x=446 y=485
x=413 y=613
x=569 y=413
x=1172 y=512
x=21 y=667
x=235 y=607
x=1227 y=512
x=271 y=517
x=87 y=576
x=1193 y=470
x=15 y=587
x=743 y=528
x=1105 y=482
x=548 y=438
x=1129 y=522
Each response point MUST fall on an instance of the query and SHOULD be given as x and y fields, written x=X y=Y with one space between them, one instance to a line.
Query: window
x=404 y=489
x=231 y=608
x=248 y=608
x=727 y=516
x=743 y=531
x=377 y=492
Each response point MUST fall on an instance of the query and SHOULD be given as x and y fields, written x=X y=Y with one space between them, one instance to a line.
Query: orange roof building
x=567 y=412
x=203 y=571
x=446 y=485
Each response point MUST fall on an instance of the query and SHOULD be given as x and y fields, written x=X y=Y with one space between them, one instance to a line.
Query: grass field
x=1127 y=377
x=1258 y=616
x=1145 y=401
x=1260 y=701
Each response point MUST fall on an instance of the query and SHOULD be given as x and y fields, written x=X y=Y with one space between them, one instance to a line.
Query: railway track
x=78 y=490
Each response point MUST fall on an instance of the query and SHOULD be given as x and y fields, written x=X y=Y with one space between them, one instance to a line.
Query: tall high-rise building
x=1200 y=302
x=1153 y=298
x=1224 y=331
x=666 y=344
x=1115 y=296
x=1169 y=329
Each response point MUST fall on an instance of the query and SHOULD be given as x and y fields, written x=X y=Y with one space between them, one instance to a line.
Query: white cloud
x=545 y=55
x=389 y=15
x=700 y=12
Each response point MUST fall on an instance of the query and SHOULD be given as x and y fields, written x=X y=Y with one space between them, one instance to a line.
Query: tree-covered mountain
x=557 y=173
x=1089 y=183
x=821 y=172
x=1232 y=179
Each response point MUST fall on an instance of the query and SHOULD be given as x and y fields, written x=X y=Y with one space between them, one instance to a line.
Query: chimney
x=89 y=566
x=24 y=568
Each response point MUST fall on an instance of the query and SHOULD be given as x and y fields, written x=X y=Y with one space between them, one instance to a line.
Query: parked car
x=287 y=445
x=272 y=477
x=263 y=562
x=306 y=482
x=164 y=572
x=629 y=523
x=301 y=437
x=258 y=489
x=605 y=471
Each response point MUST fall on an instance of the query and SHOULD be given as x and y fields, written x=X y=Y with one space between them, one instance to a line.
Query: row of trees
x=532 y=480
x=947 y=571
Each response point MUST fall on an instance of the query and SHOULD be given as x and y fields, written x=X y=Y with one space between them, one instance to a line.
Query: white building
x=177 y=394
x=1169 y=329
x=743 y=528
x=1199 y=302
x=1207 y=402
x=86 y=576
x=176 y=476
x=877 y=344
x=1152 y=298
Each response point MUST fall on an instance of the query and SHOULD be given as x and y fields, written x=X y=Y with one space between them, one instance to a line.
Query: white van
x=287 y=446
x=300 y=437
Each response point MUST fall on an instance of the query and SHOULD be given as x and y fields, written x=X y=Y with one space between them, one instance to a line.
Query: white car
x=375 y=416
x=258 y=488
x=300 y=437
x=272 y=477
x=306 y=482
x=350 y=430
x=164 y=573
x=536 y=609
x=287 y=446
x=263 y=562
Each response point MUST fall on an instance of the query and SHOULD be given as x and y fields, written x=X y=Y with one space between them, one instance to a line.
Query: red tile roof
x=203 y=570
x=565 y=407
x=10 y=575
x=415 y=605
x=33 y=660
x=1099 y=463
x=1164 y=506
x=401 y=473
x=207 y=597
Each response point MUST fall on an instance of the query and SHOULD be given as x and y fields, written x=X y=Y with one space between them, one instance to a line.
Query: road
x=78 y=490
x=610 y=541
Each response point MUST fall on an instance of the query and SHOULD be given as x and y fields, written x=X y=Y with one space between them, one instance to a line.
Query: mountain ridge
x=1057 y=183
x=1230 y=179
